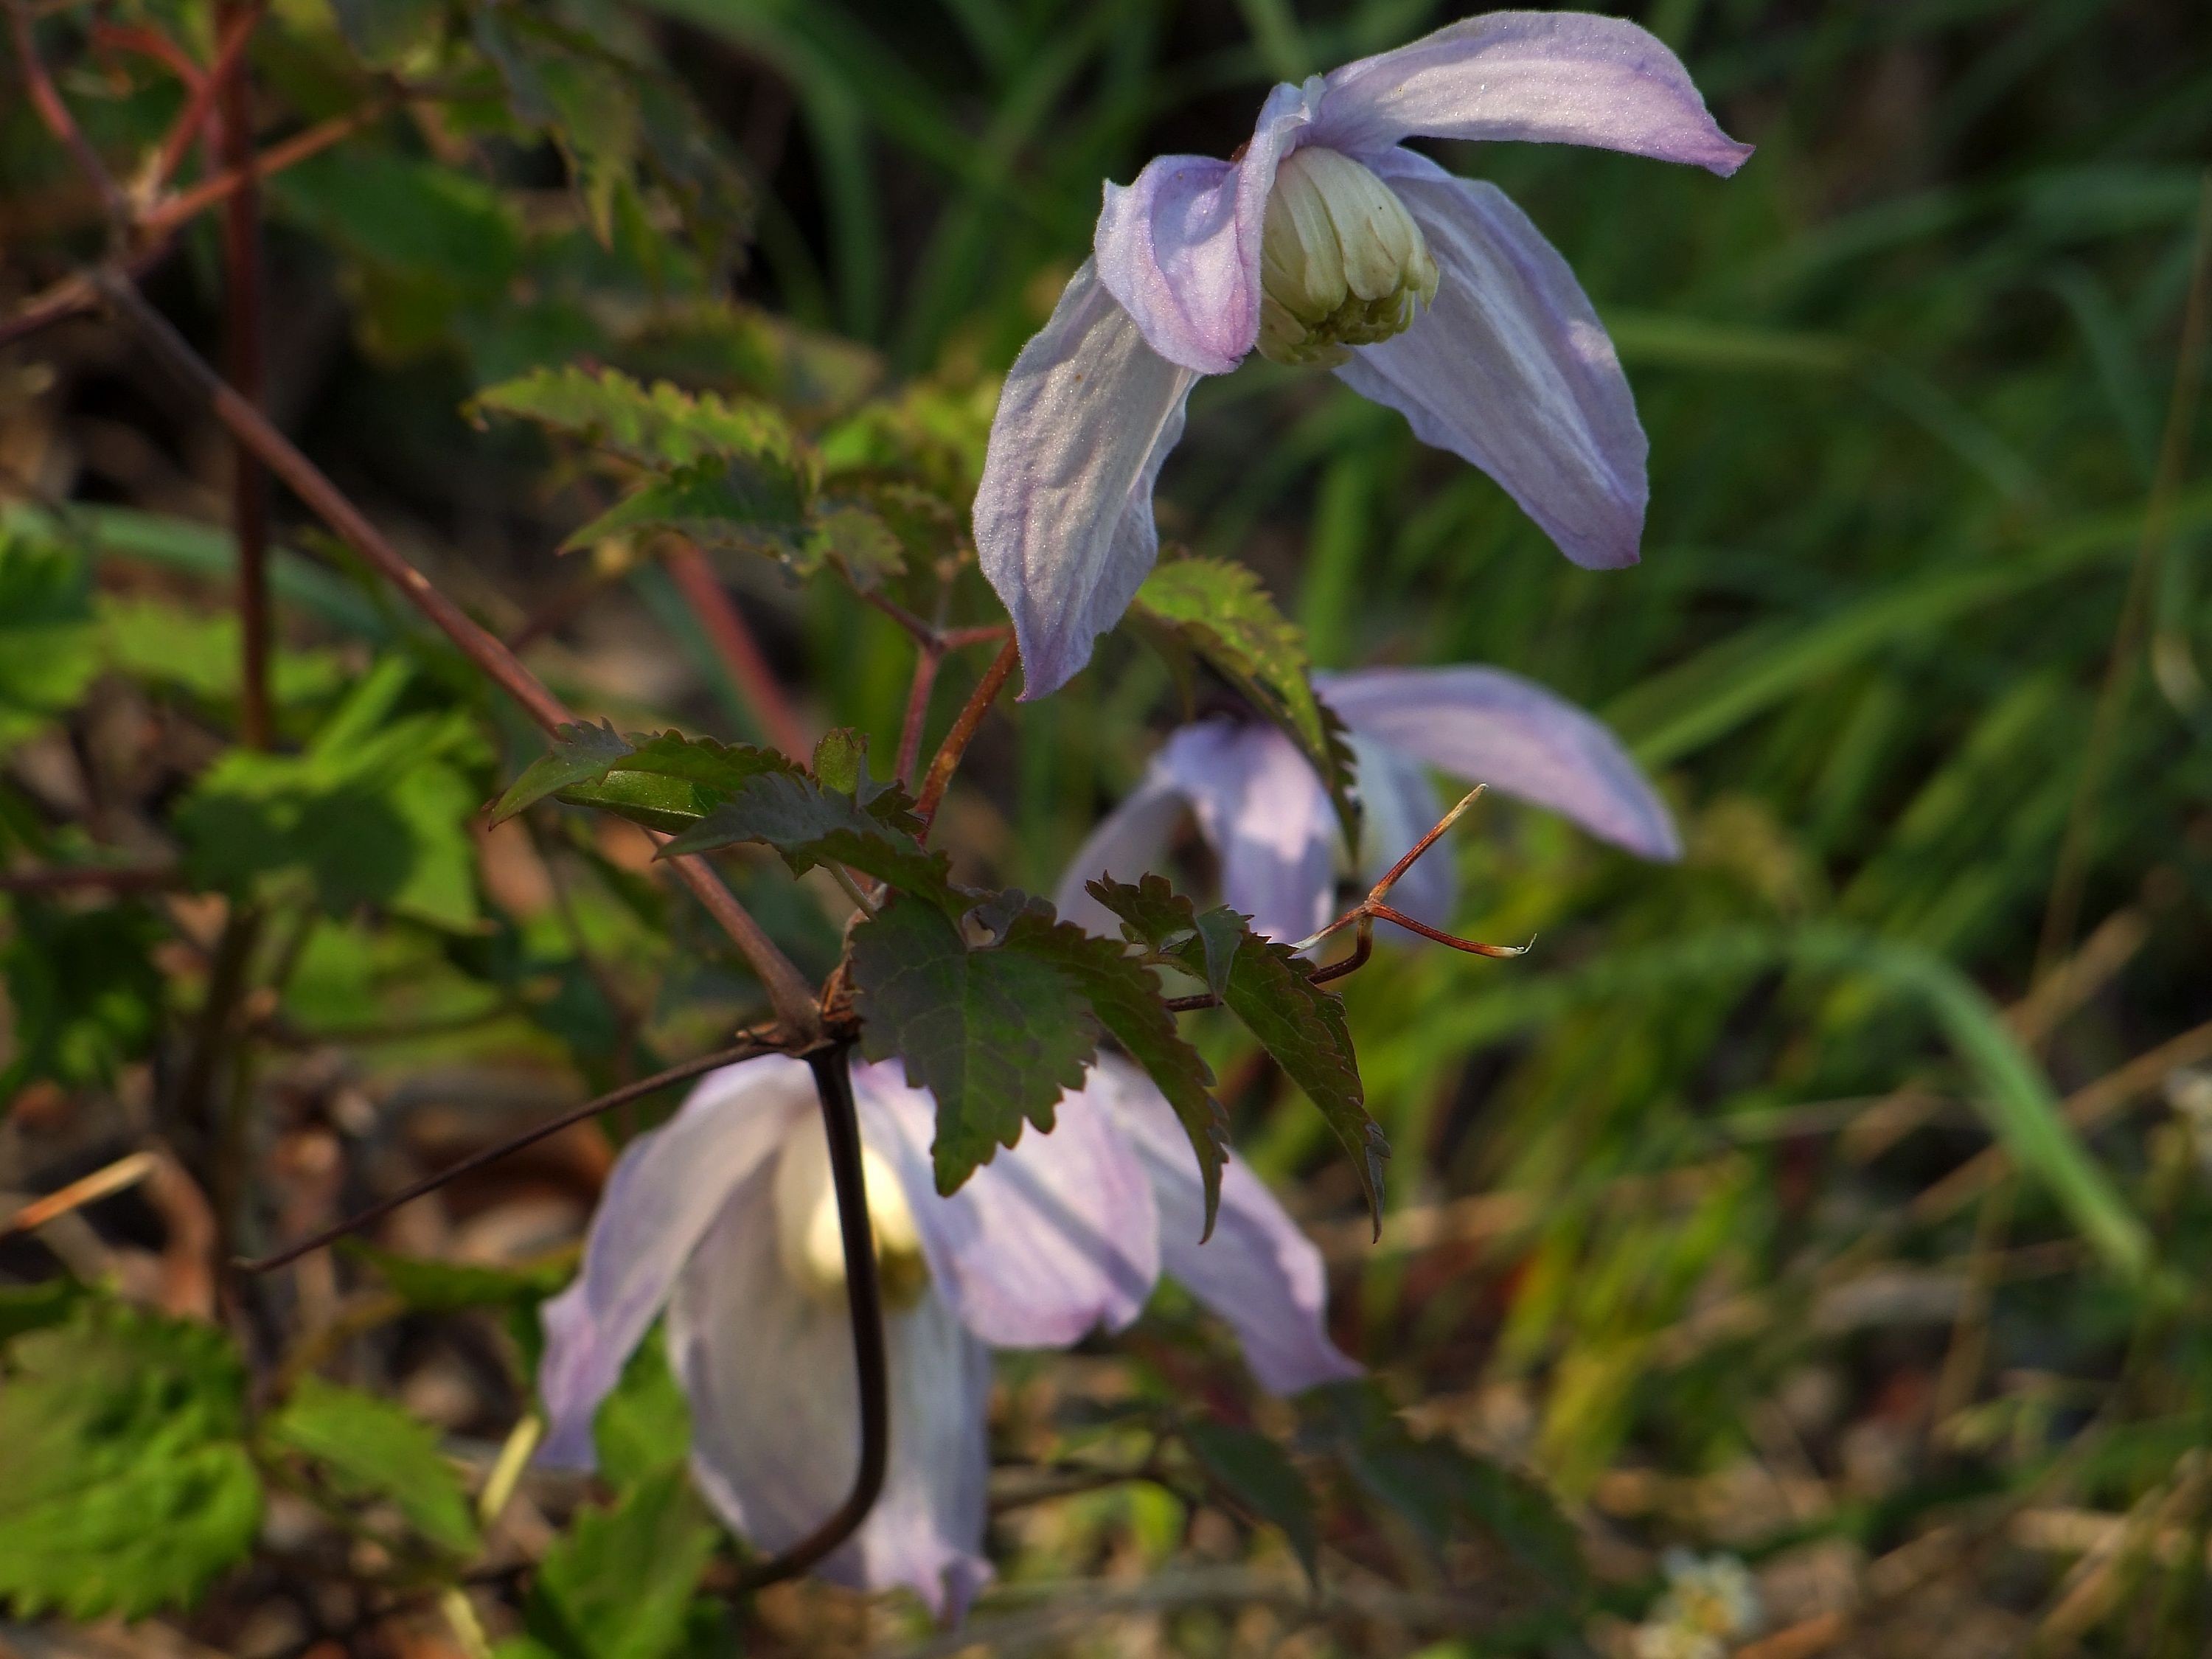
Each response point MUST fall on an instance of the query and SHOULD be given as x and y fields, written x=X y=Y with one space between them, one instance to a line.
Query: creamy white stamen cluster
x=808 y=1238
x=1341 y=262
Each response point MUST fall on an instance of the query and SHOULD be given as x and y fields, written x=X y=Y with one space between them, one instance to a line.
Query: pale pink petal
x=1179 y=248
x=1398 y=806
x=1510 y=368
x=664 y=1193
x=768 y=1368
x=1262 y=808
x=1486 y=726
x=1063 y=515
x=1547 y=77
x=1129 y=842
x=1258 y=1271
x=1053 y=1238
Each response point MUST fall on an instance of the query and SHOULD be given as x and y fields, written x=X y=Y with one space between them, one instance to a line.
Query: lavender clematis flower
x=1324 y=241
x=726 y=1217
x=1262 y=807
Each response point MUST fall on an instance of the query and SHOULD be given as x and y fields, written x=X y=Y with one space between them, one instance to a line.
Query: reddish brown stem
x=946 y=761
x=237 y=30
x=47 y=100
x=734 y=644
x=243 y=312
x=1472 y=947
x=926 y=661
x=788 y=992
x=186 y=204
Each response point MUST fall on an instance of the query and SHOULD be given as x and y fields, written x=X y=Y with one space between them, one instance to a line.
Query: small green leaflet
x=809 y=825
x=1153 y=914
x=659 y=427
x=370 y=1449
x=1258 y=1477
x=748 y=505
x=620 y=1584
x=126 y=1484
x=48 y=647
x=1216 y=610
x=666 y=781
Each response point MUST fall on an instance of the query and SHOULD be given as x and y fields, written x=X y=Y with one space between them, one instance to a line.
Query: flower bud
x=808 y=1236
x=1341 y=262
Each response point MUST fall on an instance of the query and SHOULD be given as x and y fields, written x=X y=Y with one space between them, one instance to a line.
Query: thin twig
x=747 y=1049
x=734 y=644
x=167 y=215
x=125 y=1172
x=238 y=29
x=788 y=992
x=947 y=758
x=47 y=100
x=833 y=1083
x=926 y=661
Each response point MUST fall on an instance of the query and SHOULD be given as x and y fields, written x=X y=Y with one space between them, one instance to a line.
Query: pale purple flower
x=726 y=1218
x=1263 y=809
x=1326 y=241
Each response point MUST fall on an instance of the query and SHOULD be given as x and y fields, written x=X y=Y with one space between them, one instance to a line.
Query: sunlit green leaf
x=371 y=1449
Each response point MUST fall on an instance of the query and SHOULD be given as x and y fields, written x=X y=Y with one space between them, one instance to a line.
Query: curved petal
x=1055 y=1235
x=1063 y=515
x=1258 y=1271
x=1510 y=368
x=1489 y=727
x=1129 y=841
x=1262 y=808
x=1179 y=248
x=1401 y=805
x=664 y=1192
x=1548 y=78
x=774 y=1439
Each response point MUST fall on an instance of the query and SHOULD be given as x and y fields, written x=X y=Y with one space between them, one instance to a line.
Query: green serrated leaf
x=661 y=426
x=381 y=32
x=372 y=1450
x=1302 y=1025
x=1124 y=993
x=85 y=995
x=1258 y=1477
x=124 y=1482
x=1217 y=610
x=48 y=650
x=809 y=825
x=996 y=1035
x=841 y=760
x=670 y=782
x=1154 y=915
x=620 y=1584
x=429 y=1286
x=580 y=751
x=752 y=506
x=644 y=1426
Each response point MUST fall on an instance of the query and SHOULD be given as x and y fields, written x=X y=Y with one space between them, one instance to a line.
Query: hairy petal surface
x=1401 y=805
x=1129 y=842
x=665 y=1191
x=1510 y=369
x=1258 y=1271
x=1489 y=727
x=1547 y=77
x=1063 y=516
x=1179 y=248
x=1052 y=1238
x=768 y=1368
x=1262 y=807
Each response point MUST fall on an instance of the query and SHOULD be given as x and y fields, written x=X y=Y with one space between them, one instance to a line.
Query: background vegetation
x=1837 y=1199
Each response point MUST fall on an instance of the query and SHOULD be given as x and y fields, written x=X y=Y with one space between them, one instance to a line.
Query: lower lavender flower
x=725 y=1218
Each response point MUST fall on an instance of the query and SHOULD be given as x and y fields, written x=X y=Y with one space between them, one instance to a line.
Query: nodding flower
x=725 y=1218
x=1326 y=241
x=1262 y=808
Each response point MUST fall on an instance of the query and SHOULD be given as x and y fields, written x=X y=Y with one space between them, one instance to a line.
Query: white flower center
x=1341 y=262
x=808 y=1238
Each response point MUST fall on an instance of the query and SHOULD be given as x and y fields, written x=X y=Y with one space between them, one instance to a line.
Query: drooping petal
x=664 y=1193
x=1129 y=841
x=1510 y=368
x=768 y=1368
x=1258 y=1271
x=1401 y=804
x=1547 y=77
x=1063 y=515
x=1179 y=248
x=1056 y=1236
x=1487 y=726
x=1262 y=808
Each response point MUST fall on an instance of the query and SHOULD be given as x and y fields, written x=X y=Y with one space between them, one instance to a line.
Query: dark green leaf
x=1218 y=609
x=85 y=993
x=371 y=1450
x=644 y=1426
x=428 y=1286
x=995 y=1036
x=661 y=426
x=580 y=751
x=1154 y=915
x=670 y=782
x=33 y=1307
x=383 y=31
x=620 y=1584
x=755 y=505
x=124 y=1483
x=48 y=651
x=1302 y=1025
x=1258 y=1477
x=809 y=825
